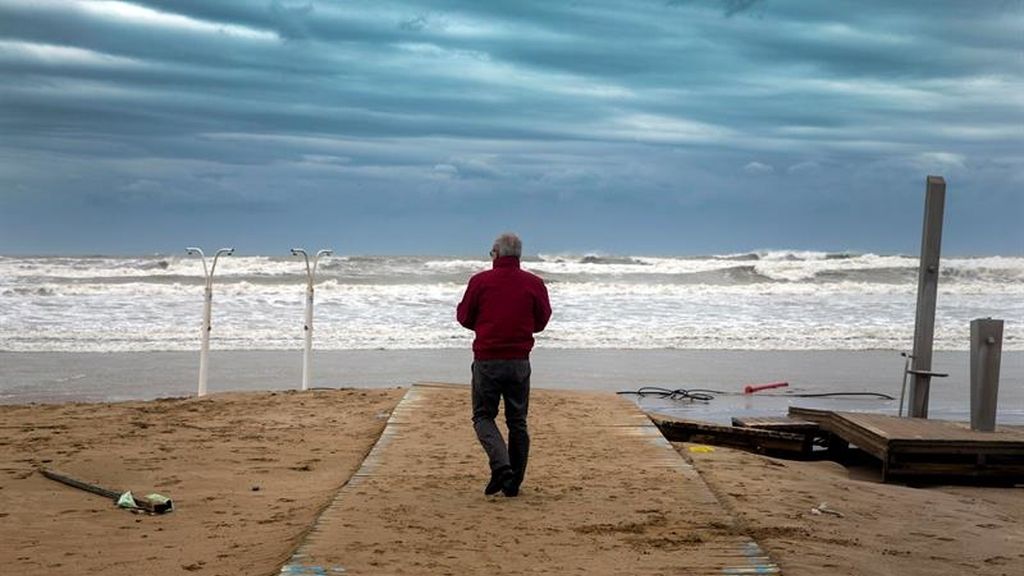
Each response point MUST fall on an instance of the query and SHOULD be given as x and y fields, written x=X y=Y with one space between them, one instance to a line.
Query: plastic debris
x=161 y=500
x=701 y=449
x=127 y=500
x=824 y=509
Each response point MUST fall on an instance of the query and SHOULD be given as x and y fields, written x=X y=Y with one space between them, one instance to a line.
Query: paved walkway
x=604 y=494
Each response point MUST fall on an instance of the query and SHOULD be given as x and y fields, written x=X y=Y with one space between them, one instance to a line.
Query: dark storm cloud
x=599 y=105
x=729 y=7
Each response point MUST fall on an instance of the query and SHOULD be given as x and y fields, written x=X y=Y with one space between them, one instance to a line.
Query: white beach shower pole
x=204 y=350
x=308 y=326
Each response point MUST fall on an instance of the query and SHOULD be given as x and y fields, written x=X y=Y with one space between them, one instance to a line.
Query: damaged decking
x=605 y=493
x=922 y=449
x=908 y=449
x=741 y=435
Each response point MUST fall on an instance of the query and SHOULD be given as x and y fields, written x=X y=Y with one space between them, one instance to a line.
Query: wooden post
x=927 y=288
x=986 y=352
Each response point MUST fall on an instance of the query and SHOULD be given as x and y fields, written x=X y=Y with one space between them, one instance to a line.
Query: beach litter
x=752 y=388
x=824 y=509
x=152 y=504
x=698 y=395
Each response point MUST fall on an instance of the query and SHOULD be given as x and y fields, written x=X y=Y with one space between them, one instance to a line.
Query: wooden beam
x=766 y=440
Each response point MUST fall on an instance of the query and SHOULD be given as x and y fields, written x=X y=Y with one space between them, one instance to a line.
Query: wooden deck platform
x=921 y=449
x=605 y=494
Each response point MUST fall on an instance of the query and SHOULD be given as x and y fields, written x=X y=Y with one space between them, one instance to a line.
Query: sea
x=624 y=320
x=783 y=300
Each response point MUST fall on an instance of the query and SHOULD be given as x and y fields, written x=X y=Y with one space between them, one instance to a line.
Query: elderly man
x=505 y=306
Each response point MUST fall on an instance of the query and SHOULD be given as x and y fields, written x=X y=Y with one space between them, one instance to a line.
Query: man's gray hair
x=508 y=244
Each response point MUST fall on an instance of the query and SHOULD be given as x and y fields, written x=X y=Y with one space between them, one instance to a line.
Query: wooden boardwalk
x=917 y=448
x=605 y=494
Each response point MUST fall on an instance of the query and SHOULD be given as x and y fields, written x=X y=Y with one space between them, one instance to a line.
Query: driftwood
x=151 y=506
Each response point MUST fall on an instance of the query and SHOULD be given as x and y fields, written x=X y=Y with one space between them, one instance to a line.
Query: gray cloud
x=292 y=18
x=735 y=6
x=604 y=105
x=758 y=168
x=728 y=7
x=415 y=24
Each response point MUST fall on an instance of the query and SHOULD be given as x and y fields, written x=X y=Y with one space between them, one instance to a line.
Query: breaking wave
x=758 y=300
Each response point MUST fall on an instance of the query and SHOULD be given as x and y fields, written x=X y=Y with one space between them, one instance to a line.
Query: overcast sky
x=626 y=126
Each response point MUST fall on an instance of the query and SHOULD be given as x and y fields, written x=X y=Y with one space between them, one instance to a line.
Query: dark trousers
x=492 y=381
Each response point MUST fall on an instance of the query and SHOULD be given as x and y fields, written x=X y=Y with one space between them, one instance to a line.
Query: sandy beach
x=250 y=472
x=885 y=529
x=247 y=472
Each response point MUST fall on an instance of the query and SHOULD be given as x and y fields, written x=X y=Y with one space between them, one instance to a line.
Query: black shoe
x=510 y=488
x=499 y=478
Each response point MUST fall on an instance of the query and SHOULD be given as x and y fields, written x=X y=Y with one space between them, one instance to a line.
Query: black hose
x=829 y=394
x=706 y=395
x=700 y=395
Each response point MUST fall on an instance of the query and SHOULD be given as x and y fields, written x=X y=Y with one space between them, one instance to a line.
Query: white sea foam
x=766 y=300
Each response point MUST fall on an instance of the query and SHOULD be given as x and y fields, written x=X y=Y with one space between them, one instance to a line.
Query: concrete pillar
x=986 y=352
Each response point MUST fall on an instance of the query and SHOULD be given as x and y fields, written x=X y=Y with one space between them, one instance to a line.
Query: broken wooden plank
x=777 y=423
x=757 y=439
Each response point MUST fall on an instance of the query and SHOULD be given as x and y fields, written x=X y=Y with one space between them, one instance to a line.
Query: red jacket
x=505 y=306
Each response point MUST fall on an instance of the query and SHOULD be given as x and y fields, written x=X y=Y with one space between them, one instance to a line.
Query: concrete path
x=604 y=494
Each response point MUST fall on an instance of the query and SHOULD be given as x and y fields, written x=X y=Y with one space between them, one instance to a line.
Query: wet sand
x=116 y=376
